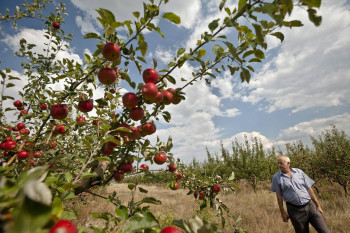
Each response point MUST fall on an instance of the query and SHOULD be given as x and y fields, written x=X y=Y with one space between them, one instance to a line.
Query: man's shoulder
x=297 y=170
x=277 y=174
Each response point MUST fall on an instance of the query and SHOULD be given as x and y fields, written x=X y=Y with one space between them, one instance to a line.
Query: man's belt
x=297 y=206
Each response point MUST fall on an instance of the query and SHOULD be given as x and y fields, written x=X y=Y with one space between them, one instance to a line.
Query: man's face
x=283 y=165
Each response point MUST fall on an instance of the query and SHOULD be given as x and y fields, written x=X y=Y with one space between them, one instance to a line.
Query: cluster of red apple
x=68 y=226
x=203 y=190
x=19 y=105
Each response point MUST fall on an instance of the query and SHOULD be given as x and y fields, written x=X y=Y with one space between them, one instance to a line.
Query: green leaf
x=68 y=215
x=131 y=186
x=171 y=79
x=172 y=17
x=293 y=23
x=213 y=25
x=122 y=212
x=140 y=222
x=30 y=216
x=314 y=18
x=259 y=54
x=57 y=207
x=222 y=4
x=150 y=200
x=245 y=75
x=258 y=32
x=142 y=190
x=68 y=176
x=217 y=50
x=201 y=53
x=91 y=35
x=181 y=51
x=8 y=85
x=88 y=175
x=241 y=3
x=279 y=35
x=69 y=195
x=136 y=14
x=312 y=3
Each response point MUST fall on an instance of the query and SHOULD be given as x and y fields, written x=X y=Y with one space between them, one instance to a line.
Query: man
x=294 y=187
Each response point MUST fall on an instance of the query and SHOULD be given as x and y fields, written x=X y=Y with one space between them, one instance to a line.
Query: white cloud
x=303 y=130
x=122 y=9
x=164 y=55
x=312 y=68
x=85 y=24
x=33 y=36
x=225 y=85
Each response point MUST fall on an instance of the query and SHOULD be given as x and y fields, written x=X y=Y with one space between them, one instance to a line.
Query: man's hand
x=320 y=209
x=285 y=216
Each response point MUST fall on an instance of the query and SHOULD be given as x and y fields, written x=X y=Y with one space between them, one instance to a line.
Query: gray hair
x=285 y=158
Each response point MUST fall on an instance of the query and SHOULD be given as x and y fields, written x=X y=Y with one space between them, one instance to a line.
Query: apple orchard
x=55 y=148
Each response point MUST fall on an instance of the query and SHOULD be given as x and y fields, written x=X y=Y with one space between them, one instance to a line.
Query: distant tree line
x=327 y=160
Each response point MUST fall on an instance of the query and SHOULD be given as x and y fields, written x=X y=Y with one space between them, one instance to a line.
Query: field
x=259 y=210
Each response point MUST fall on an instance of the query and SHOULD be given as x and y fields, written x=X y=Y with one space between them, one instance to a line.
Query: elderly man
x=294 y=187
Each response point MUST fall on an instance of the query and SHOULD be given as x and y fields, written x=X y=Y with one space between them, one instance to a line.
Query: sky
x=300 y=89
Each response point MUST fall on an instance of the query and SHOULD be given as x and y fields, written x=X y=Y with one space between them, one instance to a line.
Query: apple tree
x=65 y=140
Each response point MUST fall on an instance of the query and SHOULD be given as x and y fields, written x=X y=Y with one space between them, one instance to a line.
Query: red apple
x=22 y=113
x=43 y=106
x=216 y=188
x=168 y=97
x=53 y=144
x=107 y=76
x=149 y=128
x=23 y=154
x=150 y=75
x=135 y=133
x=9 y=145
x=59 y=129
x=20 y=107
x=126 y=167
x=172 y=167
x=111 y=52
x=37 y=154
x=176 y=99
x=174 y=186
x=124 y=133
x=56 y=25
x=112 y=144
x=59 y=111
x=118 y=176
x=24 y=131
x=159 y=97
x=137 y=113
x=65 y=226
x=85 y=105
x=178 y=175
x=96 y=122
x=170 y=230
x=17 y=103
x=149 y=91
x=160 y=158
x=106 y=150
x=144 y=167
x=20 y=126
x=81 y=121
x=130 y=100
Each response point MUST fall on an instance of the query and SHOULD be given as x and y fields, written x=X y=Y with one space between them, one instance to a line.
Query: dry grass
x=259 y=210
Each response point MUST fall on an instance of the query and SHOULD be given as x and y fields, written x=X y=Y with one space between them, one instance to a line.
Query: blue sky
x=301 y=87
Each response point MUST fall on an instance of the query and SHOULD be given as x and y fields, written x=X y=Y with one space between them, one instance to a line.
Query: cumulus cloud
x=33 y=36
x=312 y=68
x=85 y=24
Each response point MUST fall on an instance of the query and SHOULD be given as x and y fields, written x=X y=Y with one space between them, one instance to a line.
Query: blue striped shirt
x=294 y=188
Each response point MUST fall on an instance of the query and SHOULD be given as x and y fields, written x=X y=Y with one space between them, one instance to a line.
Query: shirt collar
x=292 y=169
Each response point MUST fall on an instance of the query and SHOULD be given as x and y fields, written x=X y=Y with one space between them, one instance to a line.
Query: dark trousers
x=302 y=216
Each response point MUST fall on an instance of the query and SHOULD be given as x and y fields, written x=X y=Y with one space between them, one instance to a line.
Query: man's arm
x=284 y=214
x=314 y=199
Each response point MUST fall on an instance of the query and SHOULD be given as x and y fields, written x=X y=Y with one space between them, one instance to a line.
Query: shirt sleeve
x=275 y=187
x=308 y=181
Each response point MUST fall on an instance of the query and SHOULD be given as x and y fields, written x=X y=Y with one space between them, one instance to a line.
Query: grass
x=259 y=210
